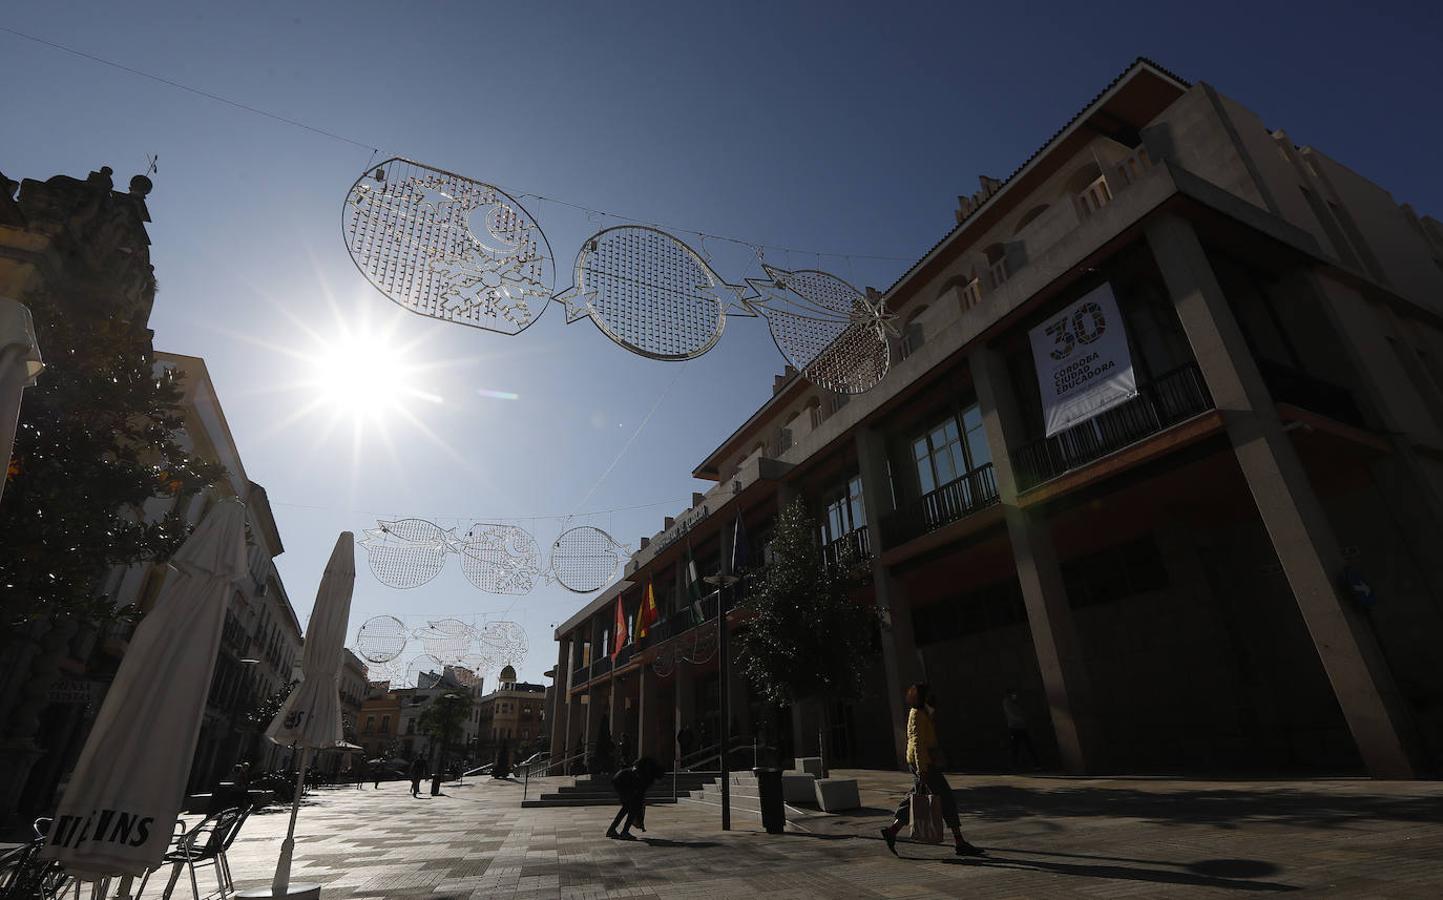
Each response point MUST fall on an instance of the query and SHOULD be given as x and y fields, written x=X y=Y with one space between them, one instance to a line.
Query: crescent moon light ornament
x=830 y=331
x=500 y=559
x=650 y=293
x=505 y=642
x=381 y=639
x=447 y=246
x=405 y=553
x=584 y=558
x=447 y=639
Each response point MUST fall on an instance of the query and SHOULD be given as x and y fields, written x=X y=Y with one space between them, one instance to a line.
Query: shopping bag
x=926 y=816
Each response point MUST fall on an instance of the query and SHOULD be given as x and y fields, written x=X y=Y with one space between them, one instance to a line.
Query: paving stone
x=1046 y=836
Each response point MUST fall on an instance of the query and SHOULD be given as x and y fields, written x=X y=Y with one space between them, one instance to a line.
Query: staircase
x=598 y=792
x=745 y=801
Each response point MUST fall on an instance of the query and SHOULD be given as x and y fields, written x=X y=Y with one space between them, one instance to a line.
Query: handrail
x=526 y=776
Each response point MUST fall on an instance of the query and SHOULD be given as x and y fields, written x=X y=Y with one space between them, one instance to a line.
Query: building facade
x=513 y=715
x=380 y=719
x=1230 y=571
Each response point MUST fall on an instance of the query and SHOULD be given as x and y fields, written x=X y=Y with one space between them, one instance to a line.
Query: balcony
x=954 y=500
x=849 y=549
x=1171 y=398
x=600 y=666
x=1302 y=390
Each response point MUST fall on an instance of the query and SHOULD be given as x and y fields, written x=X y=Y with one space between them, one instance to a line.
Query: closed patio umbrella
x=126 y=791
x=311 y=716
x=19 y=365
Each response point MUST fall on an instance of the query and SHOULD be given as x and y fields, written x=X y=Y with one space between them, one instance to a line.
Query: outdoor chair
x=206 y=842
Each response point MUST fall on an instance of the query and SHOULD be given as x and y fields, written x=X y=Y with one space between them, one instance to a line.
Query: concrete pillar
x=1301 y=535
x=560 y=711
x=1054 y=635
x=685 y=716
x=645 y=728
x=899 y=645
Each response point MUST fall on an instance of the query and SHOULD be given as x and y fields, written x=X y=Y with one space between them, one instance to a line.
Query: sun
x=365 y=377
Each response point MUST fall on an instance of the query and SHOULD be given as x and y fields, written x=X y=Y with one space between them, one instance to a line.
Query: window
x=410 y=726
x=845 y=512
x=370 y=725
x=944 y=453
x=839 y=401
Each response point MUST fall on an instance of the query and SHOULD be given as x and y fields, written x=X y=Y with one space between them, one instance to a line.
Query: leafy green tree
x=442 y=720
x=808 y=636
x=97 y=439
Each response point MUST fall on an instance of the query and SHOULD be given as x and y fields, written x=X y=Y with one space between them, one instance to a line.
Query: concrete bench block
x=837 y=794
x=809 y=764
x=797 y=787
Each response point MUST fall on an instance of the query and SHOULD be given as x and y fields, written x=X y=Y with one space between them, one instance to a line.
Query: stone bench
x=797 y=787
x=837 y=794
x=812 y=765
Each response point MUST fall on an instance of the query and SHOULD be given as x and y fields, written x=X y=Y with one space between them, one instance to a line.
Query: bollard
x=769 y=796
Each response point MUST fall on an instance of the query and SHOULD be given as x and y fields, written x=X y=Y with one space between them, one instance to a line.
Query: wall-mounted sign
x=1083 y=364
x=684 y=523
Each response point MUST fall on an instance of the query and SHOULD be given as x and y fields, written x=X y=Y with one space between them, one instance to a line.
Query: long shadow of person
x=1207 y=873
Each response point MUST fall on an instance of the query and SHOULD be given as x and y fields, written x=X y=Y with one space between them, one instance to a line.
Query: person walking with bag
x=922 y=758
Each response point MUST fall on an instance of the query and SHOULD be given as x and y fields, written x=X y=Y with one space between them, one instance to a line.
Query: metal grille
x=405 y=553
x=583 y=559
x=500 y=559
x=448 y=246
x=649 y=292
x=826 y=328
x=381 y=639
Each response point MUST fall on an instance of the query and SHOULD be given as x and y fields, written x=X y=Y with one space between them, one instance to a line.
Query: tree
x=443 y=719
x=807 y=636
x=97 y=439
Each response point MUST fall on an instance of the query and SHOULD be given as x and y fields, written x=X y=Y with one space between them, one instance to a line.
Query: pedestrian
x=631 y=785
x=924 y=759
x=623 y=749
x=1018 y=735
x=377 y=769
x=418 y=771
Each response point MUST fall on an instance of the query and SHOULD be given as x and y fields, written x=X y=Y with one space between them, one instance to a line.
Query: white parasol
x=126 y=791
x=311 y=716
x=19 y=365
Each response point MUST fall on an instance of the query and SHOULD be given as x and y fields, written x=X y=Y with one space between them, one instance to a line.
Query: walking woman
x=923 y=759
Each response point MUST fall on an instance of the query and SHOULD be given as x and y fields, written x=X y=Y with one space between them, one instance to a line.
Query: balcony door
x=945 y=455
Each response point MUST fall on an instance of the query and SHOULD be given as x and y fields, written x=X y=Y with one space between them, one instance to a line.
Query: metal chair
x=206 y=842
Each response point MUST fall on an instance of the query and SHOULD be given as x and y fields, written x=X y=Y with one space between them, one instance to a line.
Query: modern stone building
x=1234 y=570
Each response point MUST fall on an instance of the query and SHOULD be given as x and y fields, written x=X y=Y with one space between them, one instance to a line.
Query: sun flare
x=365 y=377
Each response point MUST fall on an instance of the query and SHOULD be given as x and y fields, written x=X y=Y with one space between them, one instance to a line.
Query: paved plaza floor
x=1046 y=836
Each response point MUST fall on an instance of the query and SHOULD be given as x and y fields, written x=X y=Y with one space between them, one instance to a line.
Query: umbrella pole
x=282 y=882
x=125 y=884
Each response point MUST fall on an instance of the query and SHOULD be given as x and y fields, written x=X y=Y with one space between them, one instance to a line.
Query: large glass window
x=944 y=453
x=846 y=512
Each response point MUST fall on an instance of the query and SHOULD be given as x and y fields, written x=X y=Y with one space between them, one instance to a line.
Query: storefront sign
x=1083 y=364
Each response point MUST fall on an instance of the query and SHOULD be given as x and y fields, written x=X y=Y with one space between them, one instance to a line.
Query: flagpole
x=723 y=583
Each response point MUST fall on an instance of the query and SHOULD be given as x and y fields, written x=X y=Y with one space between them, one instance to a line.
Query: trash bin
x=769 y=796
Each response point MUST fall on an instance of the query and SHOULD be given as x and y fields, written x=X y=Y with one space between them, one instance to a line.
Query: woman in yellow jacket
x=926 y=772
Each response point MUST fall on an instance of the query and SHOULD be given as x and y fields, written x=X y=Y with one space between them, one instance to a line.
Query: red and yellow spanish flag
x=648 y=615
x=619 y=640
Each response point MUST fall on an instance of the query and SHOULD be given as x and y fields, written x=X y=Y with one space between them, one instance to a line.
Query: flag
x=648 y=615
x=741 y=548
x=693 y=586
x=620 y=640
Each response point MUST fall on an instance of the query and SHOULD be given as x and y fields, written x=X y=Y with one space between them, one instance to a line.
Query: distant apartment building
x=1229 y=565
x=380 y=719
x=513 y=715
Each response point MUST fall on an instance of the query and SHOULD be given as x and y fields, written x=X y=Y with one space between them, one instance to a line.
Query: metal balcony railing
x=1169 y=399
x=954 y=500
x=852 y=547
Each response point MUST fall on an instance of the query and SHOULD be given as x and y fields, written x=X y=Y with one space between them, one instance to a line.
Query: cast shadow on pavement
x=1218 y=808
x=1229 y=874
x=665 y=842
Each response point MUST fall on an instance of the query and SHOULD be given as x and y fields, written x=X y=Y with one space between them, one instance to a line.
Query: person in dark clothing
x=418 y=771
x=631 y=785
x=685 y=741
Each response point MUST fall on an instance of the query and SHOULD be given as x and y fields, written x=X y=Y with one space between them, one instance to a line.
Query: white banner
x=1083 y=364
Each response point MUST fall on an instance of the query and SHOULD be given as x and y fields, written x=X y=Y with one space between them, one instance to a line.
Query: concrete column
x=1301 y=534
x=645 y=728
x=899 y=645
x=1054 y=636
x=560 y=711
x=685 y=703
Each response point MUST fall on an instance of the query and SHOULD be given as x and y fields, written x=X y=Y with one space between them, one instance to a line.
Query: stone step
x=544 y=802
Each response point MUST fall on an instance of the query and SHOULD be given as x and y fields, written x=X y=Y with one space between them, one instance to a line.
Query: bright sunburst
x=364 y=376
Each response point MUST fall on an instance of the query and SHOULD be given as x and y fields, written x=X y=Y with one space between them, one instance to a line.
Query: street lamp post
x=723 y=583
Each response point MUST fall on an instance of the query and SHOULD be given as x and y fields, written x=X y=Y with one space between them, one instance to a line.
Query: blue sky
x=846 y=128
